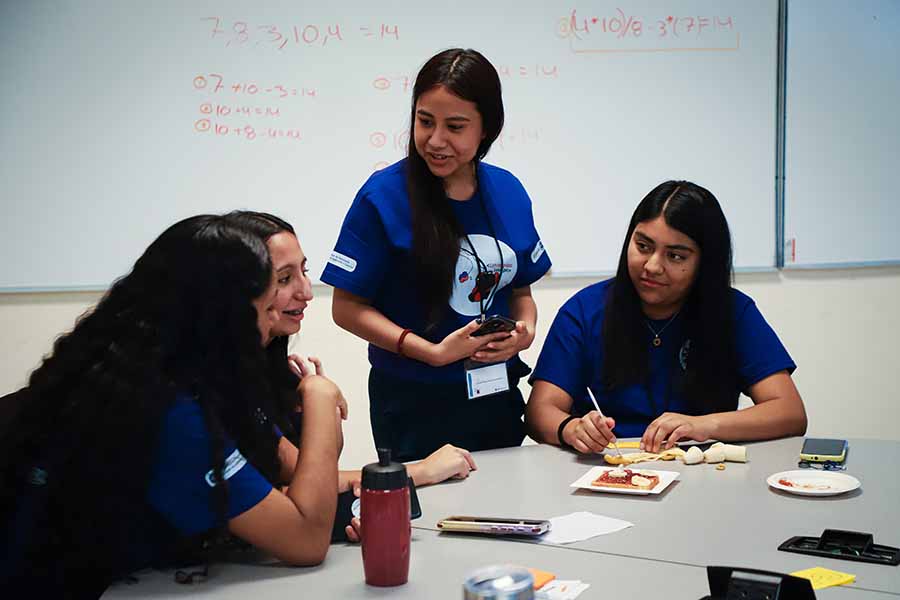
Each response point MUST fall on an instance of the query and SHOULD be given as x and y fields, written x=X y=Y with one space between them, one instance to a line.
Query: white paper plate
x=584 y=482
x=812 y=482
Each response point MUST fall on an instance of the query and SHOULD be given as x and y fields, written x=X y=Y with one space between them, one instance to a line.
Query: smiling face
x=447 y=132
x=292 y=282
x=663 y=264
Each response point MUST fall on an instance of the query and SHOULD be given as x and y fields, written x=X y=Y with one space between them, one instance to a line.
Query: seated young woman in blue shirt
x=667 y=346
x=295 y=293
x=143 y=430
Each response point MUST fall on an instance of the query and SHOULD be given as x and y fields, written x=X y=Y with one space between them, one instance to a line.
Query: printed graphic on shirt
x=538 y=251
x=466 y=296
x=342 y=261
x=234 y=463
x=683 y=354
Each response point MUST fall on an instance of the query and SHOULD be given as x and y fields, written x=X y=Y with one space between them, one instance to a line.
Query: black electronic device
x=494 y=324
x=348 y=507
x=843 y=545
x=730 y=583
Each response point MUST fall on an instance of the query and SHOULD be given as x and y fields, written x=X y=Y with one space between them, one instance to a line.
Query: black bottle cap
x=384 y=475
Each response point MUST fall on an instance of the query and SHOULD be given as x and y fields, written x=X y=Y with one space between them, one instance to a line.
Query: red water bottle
x=384 y=519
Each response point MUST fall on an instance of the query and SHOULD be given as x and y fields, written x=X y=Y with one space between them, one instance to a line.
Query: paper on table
x=581 y=526
x=823 y=578
x=561 y=590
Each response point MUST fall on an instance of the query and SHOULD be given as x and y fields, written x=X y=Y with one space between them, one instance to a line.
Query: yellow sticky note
x=541 y=578
x=634 y=444
x=823 y=578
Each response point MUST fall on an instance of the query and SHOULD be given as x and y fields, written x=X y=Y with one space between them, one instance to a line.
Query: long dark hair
x=181 y=322
x=709 y=383
x=282 y=379
x=436 y=233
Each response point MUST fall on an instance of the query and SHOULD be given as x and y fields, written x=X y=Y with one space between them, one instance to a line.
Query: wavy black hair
x=282 y=379
x=709 y=382
x=436 y=232
x=182 y=321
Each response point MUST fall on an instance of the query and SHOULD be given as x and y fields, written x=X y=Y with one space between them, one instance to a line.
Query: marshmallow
x=693 y=456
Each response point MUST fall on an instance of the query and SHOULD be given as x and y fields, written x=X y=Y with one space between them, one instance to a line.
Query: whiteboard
x=119 y=118
x=842 y=133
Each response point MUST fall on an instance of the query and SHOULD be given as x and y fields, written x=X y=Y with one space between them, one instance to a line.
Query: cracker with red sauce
x=608 y=479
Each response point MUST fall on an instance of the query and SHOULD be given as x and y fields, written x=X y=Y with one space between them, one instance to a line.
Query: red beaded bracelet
x=400 y=342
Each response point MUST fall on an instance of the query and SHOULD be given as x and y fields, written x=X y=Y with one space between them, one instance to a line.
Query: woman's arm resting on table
x=295 y=527
x=777 y=412
x=549 y=404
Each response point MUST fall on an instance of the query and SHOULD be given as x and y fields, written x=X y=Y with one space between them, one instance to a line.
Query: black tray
x=844 y=545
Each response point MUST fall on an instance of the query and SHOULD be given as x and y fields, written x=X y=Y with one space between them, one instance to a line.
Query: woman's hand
x=354 y=530
x=444 y=463
x=460 y=344
x=590 y=434
x=301 y=370
x=668 y=428
x=506 y=347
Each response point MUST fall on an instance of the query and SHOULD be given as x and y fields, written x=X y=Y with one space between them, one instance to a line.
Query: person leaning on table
x=667 y=345
x=139 y=436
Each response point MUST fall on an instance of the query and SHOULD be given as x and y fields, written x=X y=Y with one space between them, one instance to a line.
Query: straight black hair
x=436 y=233
x=709 y=383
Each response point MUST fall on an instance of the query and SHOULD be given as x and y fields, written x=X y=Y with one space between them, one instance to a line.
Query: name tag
x=486 y=380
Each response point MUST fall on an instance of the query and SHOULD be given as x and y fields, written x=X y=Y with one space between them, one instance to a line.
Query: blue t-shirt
x=182 y=483
x=372 y=259
x=572 y=359
x=179 y=500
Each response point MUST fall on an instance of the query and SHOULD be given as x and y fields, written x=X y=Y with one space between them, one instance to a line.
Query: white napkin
x=581 y=526
x=561 y=590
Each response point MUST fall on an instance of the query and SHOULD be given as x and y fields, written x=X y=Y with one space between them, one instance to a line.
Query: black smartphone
x=348 y=507
x=494 y=324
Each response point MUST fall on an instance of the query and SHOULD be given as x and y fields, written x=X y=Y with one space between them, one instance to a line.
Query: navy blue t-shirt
x=182 y=483
x=372 y=258
x=572 y=359
x=179 y=501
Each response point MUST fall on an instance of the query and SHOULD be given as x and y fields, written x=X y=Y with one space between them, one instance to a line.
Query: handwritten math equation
x=620 y=25
x=404 y=83
x=398 y=141
x=244 y=34
x=215 y=83
x=246 y=132
x=224 y=110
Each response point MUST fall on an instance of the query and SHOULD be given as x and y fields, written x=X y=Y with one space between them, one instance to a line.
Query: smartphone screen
x=823 y=449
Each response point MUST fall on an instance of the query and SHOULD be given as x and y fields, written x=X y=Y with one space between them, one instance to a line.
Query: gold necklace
x=656 y=341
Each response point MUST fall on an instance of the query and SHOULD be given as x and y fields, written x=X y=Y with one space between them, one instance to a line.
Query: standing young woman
x=667 y=346
x=294 y=294
x=429 y=244
x=128 y=431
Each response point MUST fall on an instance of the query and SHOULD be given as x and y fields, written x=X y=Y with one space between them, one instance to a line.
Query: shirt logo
x=537 y=252
x=234 y=463
x=465 y=298
x=683 y=354
x=342 y=261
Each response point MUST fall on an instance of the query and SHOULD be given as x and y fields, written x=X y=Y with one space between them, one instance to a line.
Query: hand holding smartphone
x=494 y=324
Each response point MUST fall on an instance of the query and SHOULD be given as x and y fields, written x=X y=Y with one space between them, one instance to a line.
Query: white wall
x=841 y=328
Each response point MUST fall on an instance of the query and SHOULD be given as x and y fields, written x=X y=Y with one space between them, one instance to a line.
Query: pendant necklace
x=657 y=342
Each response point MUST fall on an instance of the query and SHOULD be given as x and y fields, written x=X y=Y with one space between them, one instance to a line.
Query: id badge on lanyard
x=485 y=379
